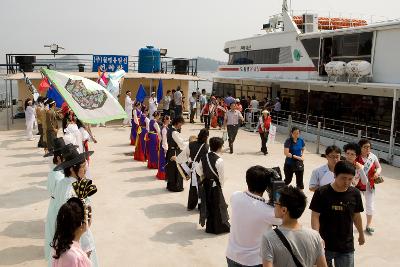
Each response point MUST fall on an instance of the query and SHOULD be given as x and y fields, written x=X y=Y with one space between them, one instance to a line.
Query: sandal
x=370 y=230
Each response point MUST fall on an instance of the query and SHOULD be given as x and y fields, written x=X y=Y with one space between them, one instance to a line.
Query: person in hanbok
x=128 y=109
x=52 y=179
x=74 y=166
x=72 y=135
x=72 y=223
x=136 y=113
x=153 y=104
x=214 y=210
x=30 y=118
x=140 y=146
x=163 y=148
x=192 y=154
x=175 y=146
x=153 y=141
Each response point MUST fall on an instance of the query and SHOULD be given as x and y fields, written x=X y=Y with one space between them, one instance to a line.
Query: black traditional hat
x=59 y=144
x=71 y=157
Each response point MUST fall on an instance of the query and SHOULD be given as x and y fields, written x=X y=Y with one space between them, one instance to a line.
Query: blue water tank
x=149 y=60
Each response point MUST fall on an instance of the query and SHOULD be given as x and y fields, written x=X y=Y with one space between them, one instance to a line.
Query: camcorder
x=277 y=184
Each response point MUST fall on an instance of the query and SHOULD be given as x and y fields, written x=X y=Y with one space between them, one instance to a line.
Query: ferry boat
x=338 y=69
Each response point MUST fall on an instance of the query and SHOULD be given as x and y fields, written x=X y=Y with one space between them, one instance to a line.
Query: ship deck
x=135 y=218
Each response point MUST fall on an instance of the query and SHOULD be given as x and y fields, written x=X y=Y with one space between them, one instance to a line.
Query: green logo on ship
x=296 y=55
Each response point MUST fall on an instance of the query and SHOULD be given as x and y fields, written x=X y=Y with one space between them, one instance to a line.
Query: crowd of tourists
x=263 y=230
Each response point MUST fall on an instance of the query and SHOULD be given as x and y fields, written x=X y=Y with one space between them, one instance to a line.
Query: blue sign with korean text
x=110 y=63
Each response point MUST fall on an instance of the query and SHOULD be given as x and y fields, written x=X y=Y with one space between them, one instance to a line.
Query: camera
x=277 y=184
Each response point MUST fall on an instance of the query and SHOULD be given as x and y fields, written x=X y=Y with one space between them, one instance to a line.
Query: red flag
x=44 y=85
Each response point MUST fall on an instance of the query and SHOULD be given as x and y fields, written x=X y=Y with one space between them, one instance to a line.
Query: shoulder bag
x=287 y=245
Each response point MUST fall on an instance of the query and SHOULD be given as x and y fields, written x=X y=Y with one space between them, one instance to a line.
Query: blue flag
x=159 y=91
x=53 y=94
x=141 y=94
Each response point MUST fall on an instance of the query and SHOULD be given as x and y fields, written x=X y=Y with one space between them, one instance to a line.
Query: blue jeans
x=340 y=259
x=232 y=263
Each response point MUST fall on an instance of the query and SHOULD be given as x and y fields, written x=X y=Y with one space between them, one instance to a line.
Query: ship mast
x=284 y=6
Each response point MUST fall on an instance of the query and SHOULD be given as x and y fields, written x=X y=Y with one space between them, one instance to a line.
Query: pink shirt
x=74 y=257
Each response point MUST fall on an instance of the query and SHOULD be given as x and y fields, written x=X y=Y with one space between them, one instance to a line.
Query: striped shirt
x=232 y=117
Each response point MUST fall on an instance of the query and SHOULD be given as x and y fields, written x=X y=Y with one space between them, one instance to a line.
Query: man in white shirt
x=193 y=106
x=203 y=102
x=178 y=102
x=324 y=175
x=153 y=104
x=166 y=102
x=277 y=106
x=254 y=103
x=233 y=118
x=251 y=217
x=128 y=108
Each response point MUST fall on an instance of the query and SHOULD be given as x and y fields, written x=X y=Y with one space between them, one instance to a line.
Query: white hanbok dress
x=29 y=121
x=63 y=192
x=50 y=227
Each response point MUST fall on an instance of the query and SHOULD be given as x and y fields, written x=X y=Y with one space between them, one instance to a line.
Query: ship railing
x=251 y=116
x=84 y=63
x=340 y=130
x=370 y=19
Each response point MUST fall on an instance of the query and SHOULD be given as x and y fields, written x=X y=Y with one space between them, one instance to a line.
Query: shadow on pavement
x=18 y=255
x=27 y=155
x=36 y=174
x=148 y=178
x=22 y=197
x=181 y=233
x=125 y=160
x=147 y=192
x=167 y=210
x=29 y=163
x=40 y=183
x=121 y=145
x=25 y=229
x=132 y=169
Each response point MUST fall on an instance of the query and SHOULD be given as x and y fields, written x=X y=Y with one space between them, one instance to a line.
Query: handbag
x=287 y=245
x=379 y=180
x=297 y=165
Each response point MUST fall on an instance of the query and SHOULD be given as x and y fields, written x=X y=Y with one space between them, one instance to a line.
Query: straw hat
x=265 y=112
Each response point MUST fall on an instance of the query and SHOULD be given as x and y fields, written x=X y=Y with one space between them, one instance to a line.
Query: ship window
x=365 y=44
x=352 y=46
x=311 y=46
x=264 y=56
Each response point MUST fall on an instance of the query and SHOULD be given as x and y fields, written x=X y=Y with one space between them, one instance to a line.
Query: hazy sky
x=187 y=28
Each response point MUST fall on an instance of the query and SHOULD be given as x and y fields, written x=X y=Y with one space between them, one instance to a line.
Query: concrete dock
x=137 y=222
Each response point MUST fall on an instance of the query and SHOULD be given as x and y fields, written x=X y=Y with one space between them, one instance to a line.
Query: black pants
x=207 y=119
x=288 y=170
x=264 y=140
x=178 y=110
x=232 y=132
x=192 y=113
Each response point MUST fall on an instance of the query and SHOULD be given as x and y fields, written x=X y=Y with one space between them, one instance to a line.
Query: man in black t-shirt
x=335 y=207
